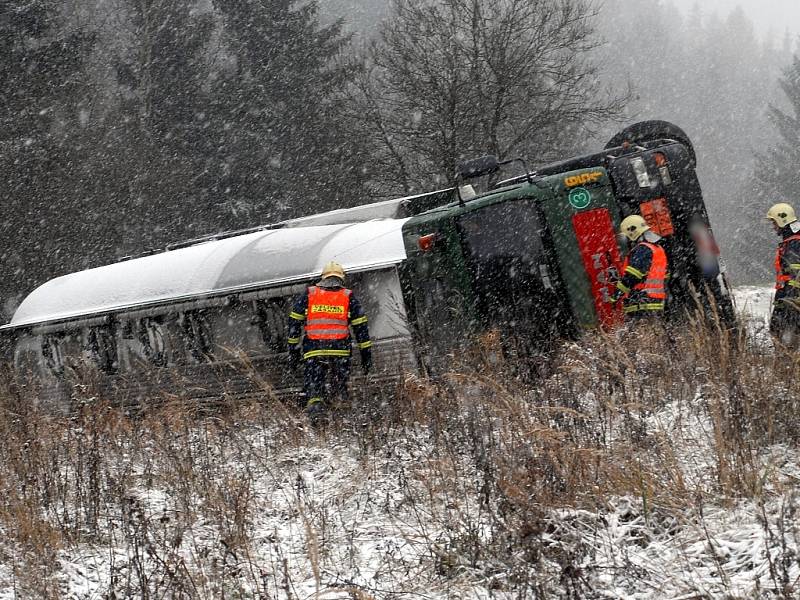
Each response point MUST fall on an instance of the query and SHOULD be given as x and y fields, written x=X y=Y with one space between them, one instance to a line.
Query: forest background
x=129 y=124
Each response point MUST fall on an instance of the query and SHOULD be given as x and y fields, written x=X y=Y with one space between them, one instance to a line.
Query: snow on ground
x=734 y=549
x=326 y=524
x=6 y=576
x=330 y=524
x=723 y=552
x=755 y=304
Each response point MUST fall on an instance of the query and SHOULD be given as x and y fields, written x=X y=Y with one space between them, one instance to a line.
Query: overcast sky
x=776 y=14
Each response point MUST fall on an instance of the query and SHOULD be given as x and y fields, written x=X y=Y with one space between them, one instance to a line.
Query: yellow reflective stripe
x=313 y=401
x=363 y=345
x=314 y=353
x=794 y=283
x=652 y=306
x=298 y=316
x=359 y=321
x=795 y=266
x=623 y=288
x=293 y=341
x=635 y=272
x=637 y=307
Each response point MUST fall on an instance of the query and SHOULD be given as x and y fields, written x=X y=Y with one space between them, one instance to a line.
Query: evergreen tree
x=777 y=170
x=776 y=179
x=161 y=122
x=279 y=104
x=38 y=68
x=40 y=93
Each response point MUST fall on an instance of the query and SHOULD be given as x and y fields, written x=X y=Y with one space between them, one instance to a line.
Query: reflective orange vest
x=781 y=278
x=654 y=283
x=327 y=315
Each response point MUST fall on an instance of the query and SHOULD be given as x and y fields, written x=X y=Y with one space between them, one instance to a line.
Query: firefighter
x=643 y=287
x=785 y=320
x=327 y=310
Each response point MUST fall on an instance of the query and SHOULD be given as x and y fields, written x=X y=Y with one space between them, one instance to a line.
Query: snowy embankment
x=620 y=476
x=755 y=304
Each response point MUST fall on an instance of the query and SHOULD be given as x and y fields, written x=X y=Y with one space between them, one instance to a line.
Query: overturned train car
x=205 y=320
x=535 y=258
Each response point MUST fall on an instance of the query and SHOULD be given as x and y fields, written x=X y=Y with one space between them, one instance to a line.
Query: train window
x=53 y=354
x=28 y=357
x=196 y=335
x=505 y=251
x=150 y=333
x=271 y=315
x=130 y=349
x=236 y=330
x=102 y=348
x=508 y=230
x=61 y=350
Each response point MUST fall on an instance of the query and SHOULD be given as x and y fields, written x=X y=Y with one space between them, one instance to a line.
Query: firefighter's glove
x=366 y=360
x=295 y=356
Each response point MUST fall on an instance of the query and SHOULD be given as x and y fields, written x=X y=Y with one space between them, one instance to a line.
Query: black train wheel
x=645 y=131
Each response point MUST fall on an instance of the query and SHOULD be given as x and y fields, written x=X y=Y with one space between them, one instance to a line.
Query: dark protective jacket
x=787 y=265
x=327 y=314
x=643 y=286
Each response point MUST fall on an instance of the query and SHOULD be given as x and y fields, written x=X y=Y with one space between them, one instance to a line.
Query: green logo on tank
x=580 y=198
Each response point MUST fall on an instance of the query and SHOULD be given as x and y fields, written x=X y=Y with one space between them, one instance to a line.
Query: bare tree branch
x=457 y=78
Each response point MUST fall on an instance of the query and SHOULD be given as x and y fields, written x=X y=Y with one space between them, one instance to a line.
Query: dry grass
x=494 y=456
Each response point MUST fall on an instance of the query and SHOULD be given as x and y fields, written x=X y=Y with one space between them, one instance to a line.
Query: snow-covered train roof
x=385 y=209
x=255 y=260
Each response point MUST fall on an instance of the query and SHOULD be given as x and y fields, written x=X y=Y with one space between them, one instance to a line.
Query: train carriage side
x=651 y=166
x=207 y=320
x=535 y=260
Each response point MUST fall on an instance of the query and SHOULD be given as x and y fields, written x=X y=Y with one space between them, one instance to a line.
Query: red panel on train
x=600 y=254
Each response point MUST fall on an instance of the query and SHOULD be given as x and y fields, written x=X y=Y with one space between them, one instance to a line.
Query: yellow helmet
x=782 y=214
x=333 y=269
x=633 y=227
